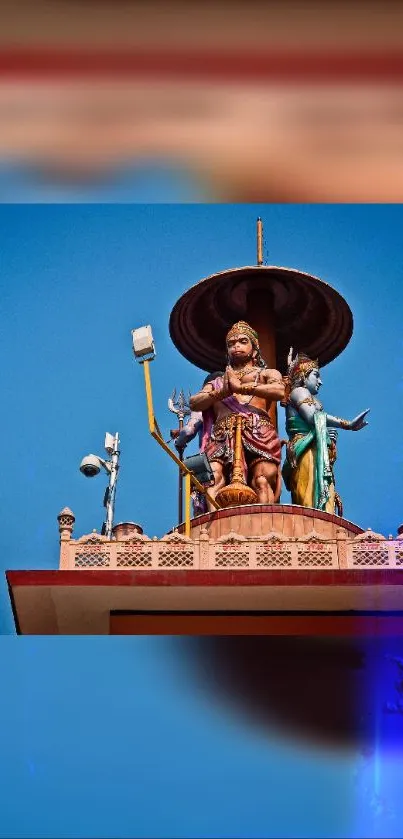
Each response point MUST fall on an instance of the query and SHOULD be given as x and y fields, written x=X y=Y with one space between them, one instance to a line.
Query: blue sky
x=110 y=736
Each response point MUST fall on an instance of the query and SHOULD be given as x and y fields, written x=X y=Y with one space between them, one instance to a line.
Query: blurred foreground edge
x=294 y=65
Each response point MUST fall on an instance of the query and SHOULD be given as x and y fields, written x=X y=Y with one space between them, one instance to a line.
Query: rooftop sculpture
x=238 y=436
x=236 y=411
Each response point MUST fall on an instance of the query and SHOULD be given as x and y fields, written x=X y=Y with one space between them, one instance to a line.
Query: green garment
x=318 y=436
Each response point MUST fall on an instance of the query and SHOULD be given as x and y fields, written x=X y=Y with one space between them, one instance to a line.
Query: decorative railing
x=232 y=551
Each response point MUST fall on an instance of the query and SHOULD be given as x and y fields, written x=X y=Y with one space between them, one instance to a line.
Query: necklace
x=254 y=385
x=245 y=370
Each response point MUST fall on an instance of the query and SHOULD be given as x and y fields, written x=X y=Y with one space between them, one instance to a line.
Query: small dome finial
x=66 y=521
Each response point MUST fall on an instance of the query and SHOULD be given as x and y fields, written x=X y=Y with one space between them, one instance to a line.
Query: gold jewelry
x=216 y=395
x=308 y=400
x=245 y=370
x=250 y=386
x=298 y=367
x=243 y=328
x=228 y=423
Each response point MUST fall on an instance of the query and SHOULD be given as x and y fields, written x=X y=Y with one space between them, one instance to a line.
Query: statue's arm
x=193 y=425
x=207 y=397
x=270 y=386
x=189 y=431
x=337 y=422
x=349 y=425
x=304 y=403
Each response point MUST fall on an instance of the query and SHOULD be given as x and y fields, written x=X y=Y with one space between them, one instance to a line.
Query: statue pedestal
x=254 y=520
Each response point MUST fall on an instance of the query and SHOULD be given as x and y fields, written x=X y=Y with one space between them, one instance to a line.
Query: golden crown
x=299 y=366
x=243 y=328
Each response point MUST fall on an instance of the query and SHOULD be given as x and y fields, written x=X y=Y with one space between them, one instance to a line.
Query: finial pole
x=259 y=230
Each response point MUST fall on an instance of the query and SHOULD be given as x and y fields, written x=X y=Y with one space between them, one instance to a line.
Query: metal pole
x=187 y=504
x=110 y=505
x=180 y=478
x=155 y=433
x=149 y=396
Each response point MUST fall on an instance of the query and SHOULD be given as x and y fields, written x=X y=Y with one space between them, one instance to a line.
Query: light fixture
x=199 y=464
x=91 y=465
x=143 y=343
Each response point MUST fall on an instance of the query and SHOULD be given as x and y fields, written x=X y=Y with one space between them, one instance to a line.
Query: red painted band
x=237 y=65
x=194 y=577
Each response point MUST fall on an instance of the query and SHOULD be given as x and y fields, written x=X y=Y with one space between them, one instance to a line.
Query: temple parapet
x=325 y=544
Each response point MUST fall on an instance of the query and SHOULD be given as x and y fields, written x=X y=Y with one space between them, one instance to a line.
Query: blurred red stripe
x=236 y=65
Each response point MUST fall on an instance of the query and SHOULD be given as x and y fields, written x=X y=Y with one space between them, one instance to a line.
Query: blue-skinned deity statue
x=311 y=449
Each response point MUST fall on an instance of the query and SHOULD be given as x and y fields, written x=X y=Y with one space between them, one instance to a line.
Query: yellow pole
x=155 y=432
x=149 y=396
x=187 y=503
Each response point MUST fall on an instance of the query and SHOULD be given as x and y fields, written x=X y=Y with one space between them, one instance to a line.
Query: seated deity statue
x=311 y=449
x=246 y=389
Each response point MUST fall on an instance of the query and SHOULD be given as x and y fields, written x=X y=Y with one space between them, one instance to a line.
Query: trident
x=180 y=406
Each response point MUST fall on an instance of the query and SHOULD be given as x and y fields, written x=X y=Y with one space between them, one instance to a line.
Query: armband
x=308 y=401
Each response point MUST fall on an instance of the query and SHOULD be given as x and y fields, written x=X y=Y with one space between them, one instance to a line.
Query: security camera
x=90 y=466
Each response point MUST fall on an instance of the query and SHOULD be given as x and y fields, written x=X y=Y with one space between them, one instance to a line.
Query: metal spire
x=259 y=230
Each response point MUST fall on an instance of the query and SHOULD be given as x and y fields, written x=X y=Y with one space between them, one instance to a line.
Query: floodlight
x=143 y=342
x=109 y=444
x=199 y=465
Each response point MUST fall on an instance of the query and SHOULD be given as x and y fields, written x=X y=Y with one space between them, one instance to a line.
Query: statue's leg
x=278 y=487
x=302 y=483
x=219 y=481
x=302 y=479
x=265 y=481
x=330 y=506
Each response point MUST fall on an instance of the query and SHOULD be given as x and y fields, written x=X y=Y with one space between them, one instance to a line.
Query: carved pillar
x=294 y=549
x=155 y=548
x=391 y=544
x=66 y=521
x=341 y=537
x=113 y=554
x=252 y=555
x=204 y=548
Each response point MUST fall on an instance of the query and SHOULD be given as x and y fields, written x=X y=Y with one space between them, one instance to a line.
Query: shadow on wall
x=333 y=693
